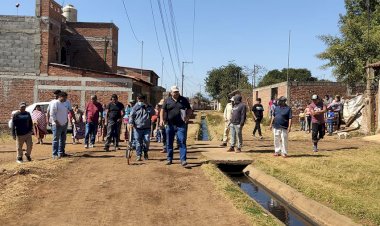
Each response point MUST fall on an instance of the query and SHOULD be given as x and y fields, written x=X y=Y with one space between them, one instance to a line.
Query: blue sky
x=247 y=32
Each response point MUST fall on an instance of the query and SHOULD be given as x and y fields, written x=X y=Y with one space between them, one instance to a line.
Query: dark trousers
x=318 y=131
x=308 y=122
x=113 y=133
x=257 y=126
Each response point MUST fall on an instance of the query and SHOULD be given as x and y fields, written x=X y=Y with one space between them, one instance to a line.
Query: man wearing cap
x=114 y=116
x=175 y=115
x=93 y=112
x=140 y=119
x=58 y=113
x=281 y=124
x=237 y=121
x=317 y=110
x=22 y=128
x=227 y=118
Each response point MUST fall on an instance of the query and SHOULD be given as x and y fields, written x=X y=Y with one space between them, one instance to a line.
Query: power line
x=175 y=28
x=155 y=29
x=166 y=37
x=172 y=33
x=192 y=49
x=130 y=24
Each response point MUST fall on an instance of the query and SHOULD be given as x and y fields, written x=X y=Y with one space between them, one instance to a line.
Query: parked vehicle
x=30 y=108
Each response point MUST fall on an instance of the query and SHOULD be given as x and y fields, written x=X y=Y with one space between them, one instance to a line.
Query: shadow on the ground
x=307 y=156
x=96 y=156
x=260 y=151
x=342 y=149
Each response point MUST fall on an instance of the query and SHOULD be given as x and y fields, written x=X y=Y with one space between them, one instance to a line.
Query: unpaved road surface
x=99 y=188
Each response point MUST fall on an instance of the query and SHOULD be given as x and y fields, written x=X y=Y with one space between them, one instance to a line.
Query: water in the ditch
x=203 y=135
x=280 y=211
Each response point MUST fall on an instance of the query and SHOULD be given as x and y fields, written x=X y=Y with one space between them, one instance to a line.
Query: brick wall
x=266 y=93
x=92 y=45
x=15 y=88
x=19 y=44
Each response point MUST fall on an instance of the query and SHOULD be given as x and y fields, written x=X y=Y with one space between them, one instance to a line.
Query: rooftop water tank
x=70 y=12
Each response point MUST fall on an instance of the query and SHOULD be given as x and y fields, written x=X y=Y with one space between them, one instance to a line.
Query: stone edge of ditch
x=313 y=210
x=247 y=197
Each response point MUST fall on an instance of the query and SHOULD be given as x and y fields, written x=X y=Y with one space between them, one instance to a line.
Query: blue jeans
x=142 y=139
x=91 y=131
x=163 y=139
x=181 y=136
x=302 y=124
x=59 y=139
x=330 y=127
x=236 y=131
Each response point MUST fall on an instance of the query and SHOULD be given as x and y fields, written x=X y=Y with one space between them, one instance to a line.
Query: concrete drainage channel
x=277 y=198
x=264 y=197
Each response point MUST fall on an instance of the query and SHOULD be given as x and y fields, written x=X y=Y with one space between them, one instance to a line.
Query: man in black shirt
x=115 y=113
x=175 y=115
x=258 y=110
x=22 y=128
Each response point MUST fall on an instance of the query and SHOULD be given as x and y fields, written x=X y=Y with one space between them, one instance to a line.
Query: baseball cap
x=282 y=98
x=314 y=97
x=174 y=89
x=22 y=104
x=232 y=99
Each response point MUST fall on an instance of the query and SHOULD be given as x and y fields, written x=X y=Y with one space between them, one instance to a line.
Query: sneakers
x=276 y=154
x=138 y=158
x=168 y=163
x=261 y=137
x=86 y=146
x=315 y=149
x=284 y=155
x=184 y=163
x=106 y=149
x=231 y=149
x=238 y=150
x=28 y=158
x=146 y=157
x=223 y=145
x=92 y=145
x=19 y=160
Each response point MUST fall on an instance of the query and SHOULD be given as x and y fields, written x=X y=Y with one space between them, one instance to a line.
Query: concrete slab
x=219 y=155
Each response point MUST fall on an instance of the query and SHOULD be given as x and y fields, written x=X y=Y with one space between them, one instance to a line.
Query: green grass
x=345 y=178
x=239 y=199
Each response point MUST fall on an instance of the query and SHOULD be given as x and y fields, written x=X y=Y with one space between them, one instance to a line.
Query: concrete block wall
x=20 y=42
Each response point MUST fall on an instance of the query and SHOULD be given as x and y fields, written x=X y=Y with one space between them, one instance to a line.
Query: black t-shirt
x=114 y=111
x=22 y=123
x=258 y=110
x=173 y=109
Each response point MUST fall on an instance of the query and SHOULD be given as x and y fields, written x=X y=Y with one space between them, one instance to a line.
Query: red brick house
x=43 y=53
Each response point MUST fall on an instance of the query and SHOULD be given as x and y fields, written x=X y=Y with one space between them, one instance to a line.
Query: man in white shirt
x=48 y=118
x=227 y=117
x=59 y=116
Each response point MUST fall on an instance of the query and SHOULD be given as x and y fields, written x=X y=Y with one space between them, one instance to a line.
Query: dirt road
x=99 y=188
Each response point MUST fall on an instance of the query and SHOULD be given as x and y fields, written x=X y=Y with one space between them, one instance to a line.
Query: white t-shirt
x=59 y=111
x=48 y=109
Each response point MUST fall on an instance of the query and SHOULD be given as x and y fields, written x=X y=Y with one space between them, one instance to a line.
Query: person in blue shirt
x=281 y=124
x=330 y=121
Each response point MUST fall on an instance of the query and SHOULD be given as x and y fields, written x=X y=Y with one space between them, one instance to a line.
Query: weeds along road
x=99 y=188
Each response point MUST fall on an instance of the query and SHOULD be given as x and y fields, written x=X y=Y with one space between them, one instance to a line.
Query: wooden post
x=370 y=100
x=378 y=109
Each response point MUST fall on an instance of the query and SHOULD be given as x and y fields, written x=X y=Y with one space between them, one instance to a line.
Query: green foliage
x=225 y=79
x=348 y=53
x=277 y=76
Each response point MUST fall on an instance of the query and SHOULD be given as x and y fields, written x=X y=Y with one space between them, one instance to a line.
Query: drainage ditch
x=203 y=132
x=257 y=192
x=263 y=197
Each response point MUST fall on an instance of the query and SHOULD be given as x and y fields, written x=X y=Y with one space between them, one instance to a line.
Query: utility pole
x=183 y=75
x=254 y=76
x=287 y=72
x=162 y=71
x=142 y=57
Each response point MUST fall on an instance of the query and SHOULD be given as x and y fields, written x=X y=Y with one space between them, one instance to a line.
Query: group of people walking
x=313 y=118
x=169 y=119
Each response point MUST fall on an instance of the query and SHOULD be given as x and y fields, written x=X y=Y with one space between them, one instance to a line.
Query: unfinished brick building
x=299 y=93
x=47 y=52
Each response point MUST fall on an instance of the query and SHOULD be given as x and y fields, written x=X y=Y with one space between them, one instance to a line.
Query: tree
x=223 y=80
x=277 y=76
x=199 y=96
x=358 y=42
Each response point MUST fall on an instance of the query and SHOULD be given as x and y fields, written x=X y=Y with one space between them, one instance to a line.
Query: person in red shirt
x=93 y=112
